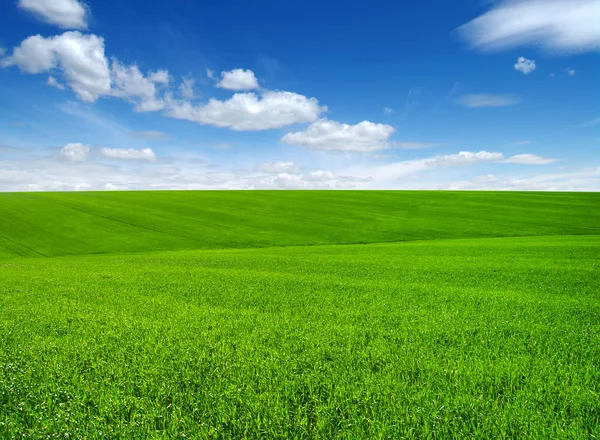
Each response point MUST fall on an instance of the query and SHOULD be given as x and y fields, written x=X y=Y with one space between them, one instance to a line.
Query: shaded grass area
x=55 y=224
x=480 y=338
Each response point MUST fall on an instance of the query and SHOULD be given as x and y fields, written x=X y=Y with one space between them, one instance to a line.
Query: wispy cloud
x=530 y=159
x=414 y=145
x=560 y=25
x=151 y=134
x=487 y=100
x=592 y=122
x=128 y=154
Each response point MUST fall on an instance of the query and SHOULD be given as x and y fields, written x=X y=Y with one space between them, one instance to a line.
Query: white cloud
x=464 y=158
x=394 y=171
x=80 y=57
x=314 y=180
x=330 y=135
x=487 y=178
x=520 y=143
x=186 y=89
x=66 y=14
x=15 y=176
x=75 y=152
x=210 y=179
x=82 y=61
x=112 y=187
x=581 y=180
x=561 y=25
x=151 y=134
x=571 y=72
x=487 y=100
x=387 y=111
x=52 y=82
x=288 y=181
x=247 y=111
x=319 y=176
x=530 y=159
x=278 y=167
x=524 y=65
x=160 y=77
x=85 y=69
x=238 y=79
x=414 y=145
x=128 y=154
x=209 y=73
x=131 y=84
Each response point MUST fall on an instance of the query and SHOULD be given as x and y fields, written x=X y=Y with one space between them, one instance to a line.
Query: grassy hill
x=208 y=315
x=52 y=224
x=477 y=338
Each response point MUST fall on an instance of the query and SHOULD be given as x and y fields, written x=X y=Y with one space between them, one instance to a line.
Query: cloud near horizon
x=330 y=135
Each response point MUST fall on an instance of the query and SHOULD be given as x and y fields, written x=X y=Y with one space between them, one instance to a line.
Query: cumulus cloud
x=84 y=67
x=248 y=111
x=75 y=152
x=129 y=83
x=487 y=100
x=530 y=159
x=238 y=79
x=83 y=64
x=524 y=65
x=80 y=57
x=319 y=176
x=128 y=154
x=560 y=25
x=186 y=89
x=464 y=158
x=66 y=14
x=52 y=82
x=160 y=77
x=278 y=167
x=330 y=135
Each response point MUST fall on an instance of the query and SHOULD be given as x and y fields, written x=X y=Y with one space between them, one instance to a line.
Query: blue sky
x=133 y=94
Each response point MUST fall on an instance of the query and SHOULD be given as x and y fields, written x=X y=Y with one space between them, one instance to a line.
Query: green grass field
x=333 y=315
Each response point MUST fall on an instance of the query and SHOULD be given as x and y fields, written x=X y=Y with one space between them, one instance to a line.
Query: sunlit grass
x=478 y=338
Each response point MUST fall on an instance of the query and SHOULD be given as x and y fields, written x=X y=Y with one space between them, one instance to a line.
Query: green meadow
x=300 y=315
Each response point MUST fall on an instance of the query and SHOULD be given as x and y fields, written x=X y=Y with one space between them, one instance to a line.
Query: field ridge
x=54 y=224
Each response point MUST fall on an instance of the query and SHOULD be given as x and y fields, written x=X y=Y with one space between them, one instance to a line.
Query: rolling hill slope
x=55 y=224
